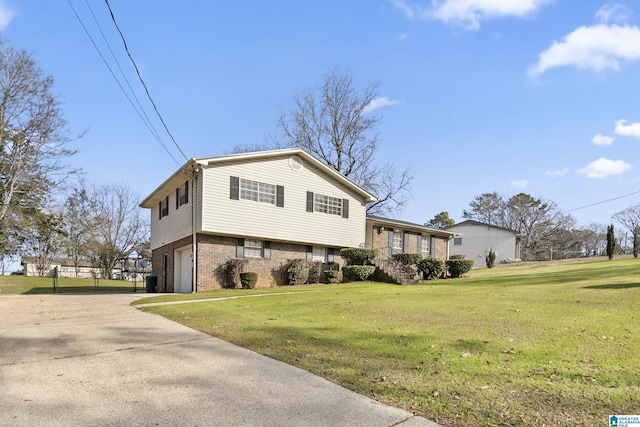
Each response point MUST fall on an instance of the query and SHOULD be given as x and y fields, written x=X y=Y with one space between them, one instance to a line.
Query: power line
x=126 y=48
x=124 y=76
x=604 y=201
x=146 y=122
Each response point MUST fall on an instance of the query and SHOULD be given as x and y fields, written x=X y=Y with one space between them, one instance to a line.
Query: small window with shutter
x=182 y=195
x=163 y=206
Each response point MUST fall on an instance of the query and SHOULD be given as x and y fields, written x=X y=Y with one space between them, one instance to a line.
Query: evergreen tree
x=611 y=241
x=491 y=258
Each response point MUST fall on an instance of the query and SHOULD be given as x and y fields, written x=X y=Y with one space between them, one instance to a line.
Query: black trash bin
x=152 y=284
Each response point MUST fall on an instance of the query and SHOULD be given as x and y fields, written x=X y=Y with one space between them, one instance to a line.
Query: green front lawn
x=44 y=285
x=534 y=346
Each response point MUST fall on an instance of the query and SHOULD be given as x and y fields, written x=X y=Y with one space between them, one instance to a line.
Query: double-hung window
x=257 y=191
x=319 y=254
x=397 y=241
x=246 y=189
x=182 y=195
x=163 y=206
x=252 y=248
x=425 y=246
x=327 y=204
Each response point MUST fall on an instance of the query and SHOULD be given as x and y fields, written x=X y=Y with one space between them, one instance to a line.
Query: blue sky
x=477 y=96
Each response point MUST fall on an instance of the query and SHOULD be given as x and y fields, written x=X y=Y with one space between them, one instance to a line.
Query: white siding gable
x=292 y=223
x=174 y=226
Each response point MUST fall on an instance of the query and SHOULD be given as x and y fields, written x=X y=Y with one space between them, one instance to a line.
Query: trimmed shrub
x=331 y=276
x=491 y=258
x=358 y=256
x=315 y=272
x=297 y=272
x=353 y=273
x=407 y=259
x=232 y=270
x=431 y=268
x=457 y=267
x=248 y=280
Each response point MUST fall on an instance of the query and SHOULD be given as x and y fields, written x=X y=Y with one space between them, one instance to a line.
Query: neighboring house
x=476 y=239
x=65 y=267
x=266 y=207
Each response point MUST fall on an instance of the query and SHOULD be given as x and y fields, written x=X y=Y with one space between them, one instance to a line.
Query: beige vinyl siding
x=292 y=223
x=172 y=227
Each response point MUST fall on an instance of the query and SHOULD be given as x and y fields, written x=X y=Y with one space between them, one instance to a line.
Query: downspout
x=194 y=239
x=193 y=174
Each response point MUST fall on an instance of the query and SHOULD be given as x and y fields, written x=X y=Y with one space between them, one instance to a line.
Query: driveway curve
x=92 y=359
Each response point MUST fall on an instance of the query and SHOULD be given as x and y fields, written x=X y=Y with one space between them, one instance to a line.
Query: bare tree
x=542 y=226
x=334 y=122
x=594 y=239
x=117 y=225
x=32 y=140
x=629 y=218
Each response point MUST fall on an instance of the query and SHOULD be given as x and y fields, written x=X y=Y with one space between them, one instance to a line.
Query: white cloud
x=382 y=101
x=6 y=15
x=603 y=140
x=410 y=10
x=627 y=130
x=613 y=13
x=469 y=13
x=602 y=168
x=556 y=173
x=520 y=183
x=599 y=47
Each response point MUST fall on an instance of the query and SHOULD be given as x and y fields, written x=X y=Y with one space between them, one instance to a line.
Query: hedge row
x=358 y=256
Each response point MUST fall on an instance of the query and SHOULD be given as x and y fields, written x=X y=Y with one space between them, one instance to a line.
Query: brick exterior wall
x=215 y=251
x=380 y=241
x=165 y=278
x=441 y=248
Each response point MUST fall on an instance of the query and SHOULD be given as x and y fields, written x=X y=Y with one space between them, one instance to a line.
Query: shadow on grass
x=80 y=290
x=614 y=286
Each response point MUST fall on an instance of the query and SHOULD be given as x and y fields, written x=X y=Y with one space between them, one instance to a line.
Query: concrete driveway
x=93 y=360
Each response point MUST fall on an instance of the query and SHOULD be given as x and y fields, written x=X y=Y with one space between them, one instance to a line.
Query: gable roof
x=193 y=166
x=411 y=226
x=478 y=223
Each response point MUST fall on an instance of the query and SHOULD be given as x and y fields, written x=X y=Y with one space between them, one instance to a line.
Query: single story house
x=476 y=239
x=392 y=236
x=130 y=269
x=266 y=207
x=66 y=267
